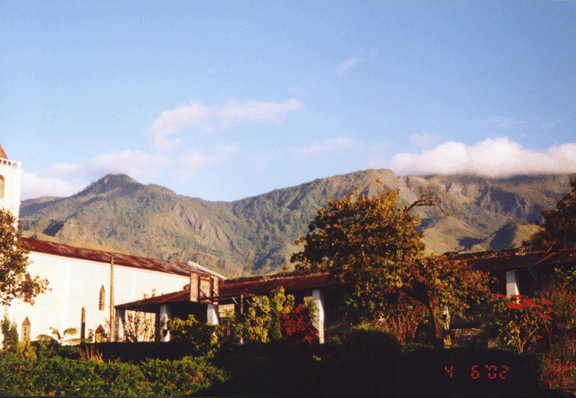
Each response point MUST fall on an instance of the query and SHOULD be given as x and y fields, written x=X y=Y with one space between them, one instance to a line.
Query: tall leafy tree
x=558 y=227
x=15 y=281
x=371 y=243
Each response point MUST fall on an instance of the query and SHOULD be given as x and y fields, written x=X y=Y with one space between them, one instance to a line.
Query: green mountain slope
x=256 y=235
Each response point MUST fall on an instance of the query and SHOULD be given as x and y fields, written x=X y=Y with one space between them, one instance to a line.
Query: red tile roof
x=2 y=153
x=59 y=249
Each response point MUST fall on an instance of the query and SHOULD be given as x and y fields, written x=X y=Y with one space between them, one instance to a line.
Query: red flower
x=544 y=316
x=529 y=303
x=546 y=302
x=500 y=296
x=514 y=306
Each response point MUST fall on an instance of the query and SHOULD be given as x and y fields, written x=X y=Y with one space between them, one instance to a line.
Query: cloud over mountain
x=493 y=157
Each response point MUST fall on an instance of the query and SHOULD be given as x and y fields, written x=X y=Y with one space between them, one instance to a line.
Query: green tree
x=559 y=224
x=10 y=333
x=371 y=243
x=63 y=338
x=15 y=281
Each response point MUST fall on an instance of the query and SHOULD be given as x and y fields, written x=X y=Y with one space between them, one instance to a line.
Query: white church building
x=86 y=285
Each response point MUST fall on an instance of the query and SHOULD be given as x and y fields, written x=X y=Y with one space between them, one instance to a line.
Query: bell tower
x=10 y=179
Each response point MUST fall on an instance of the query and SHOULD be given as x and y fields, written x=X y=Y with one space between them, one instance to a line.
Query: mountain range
x=256 y=235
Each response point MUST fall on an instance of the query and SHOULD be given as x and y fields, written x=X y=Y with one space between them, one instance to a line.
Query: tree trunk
x=438 y=338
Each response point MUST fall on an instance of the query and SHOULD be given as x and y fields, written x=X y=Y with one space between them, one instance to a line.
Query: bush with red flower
x=296 y=326
x=562 y=331
x=518 y=321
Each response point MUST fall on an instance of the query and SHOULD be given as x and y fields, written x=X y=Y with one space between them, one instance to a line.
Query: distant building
x=10 y=179
x=86 y=284
x=237 y=295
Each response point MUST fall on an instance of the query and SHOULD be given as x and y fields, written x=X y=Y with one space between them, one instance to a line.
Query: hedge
x=61 y=376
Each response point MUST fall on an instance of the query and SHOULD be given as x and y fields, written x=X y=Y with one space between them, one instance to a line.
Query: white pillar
x=318 y=299
x=120 y=320
x=212 y=314
x=165 y=315
x=511 y=284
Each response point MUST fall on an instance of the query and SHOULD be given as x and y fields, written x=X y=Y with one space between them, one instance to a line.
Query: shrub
x=10 y=333
x=367 y=340
x=558 y=372
x=296 y=326
x=61 y=376
x=193 y=337
x=518 y=321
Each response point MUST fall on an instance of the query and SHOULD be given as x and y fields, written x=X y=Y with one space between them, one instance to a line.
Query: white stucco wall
x=12 y=173
x=76 y=283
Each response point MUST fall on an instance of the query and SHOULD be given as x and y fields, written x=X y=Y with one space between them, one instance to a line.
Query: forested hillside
x=256 y=235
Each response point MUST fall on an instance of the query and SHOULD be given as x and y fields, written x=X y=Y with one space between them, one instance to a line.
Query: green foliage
x=371 y=243
x=181 y=378
x=558 y=372
x=362 y=241
x=10 y=335
x=193 y=337
x=15 y=281
x=518 y=321
x=369 y=340
x=27 y=350
x=260 y=321
x=559 y=224
x=58 y=376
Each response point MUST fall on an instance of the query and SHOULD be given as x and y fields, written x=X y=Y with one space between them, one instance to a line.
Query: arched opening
x=25 y=330
x=102 y=299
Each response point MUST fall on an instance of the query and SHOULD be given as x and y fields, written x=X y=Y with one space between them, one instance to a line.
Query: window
x=25 y=331
x=2 y=183
x=100 y=334
x=102 y=299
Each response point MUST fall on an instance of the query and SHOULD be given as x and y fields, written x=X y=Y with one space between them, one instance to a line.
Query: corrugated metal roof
x=149 y=304
x=242 y=286
x=267 y=284
x=59 y=249
x=521 y=259
x=507 y=261
x=492 y=261
x=561 y=257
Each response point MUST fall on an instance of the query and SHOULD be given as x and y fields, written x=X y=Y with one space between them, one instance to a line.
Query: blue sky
x=225 y=100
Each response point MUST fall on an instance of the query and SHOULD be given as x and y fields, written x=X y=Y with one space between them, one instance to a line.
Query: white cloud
x=164 y=131
x=320 y=148
x=503 y=122
x=493 y=157
x=64 y=179
x=192 y=161
x=425 y=140
x=136 y=164
x=34 y=186
x=345 y=66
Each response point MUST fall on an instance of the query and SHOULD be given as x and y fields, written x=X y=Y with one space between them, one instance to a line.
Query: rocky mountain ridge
x=256 y=235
